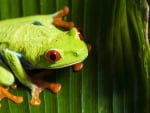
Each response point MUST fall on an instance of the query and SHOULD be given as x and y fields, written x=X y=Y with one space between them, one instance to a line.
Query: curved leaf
x=115 y=77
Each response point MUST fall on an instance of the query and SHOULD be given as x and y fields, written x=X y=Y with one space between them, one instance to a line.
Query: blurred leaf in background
x=115 y=77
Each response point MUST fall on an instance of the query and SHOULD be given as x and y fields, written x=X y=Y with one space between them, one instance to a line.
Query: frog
x=38 y=42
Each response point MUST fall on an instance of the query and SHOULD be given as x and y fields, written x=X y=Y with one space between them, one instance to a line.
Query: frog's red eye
x=80 y=33
x=53 y=55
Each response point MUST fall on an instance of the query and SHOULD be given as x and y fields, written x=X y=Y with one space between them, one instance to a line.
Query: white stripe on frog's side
x=3 y=60
x=25 y=63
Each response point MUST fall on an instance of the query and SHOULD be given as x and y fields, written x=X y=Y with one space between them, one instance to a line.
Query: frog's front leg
x=16 y=67
x=7 y=79
x=37 y=77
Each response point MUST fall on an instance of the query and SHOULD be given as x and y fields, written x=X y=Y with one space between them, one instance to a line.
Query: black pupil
x=53 y=56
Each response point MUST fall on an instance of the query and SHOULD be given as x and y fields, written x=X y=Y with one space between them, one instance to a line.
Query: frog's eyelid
x=37 y=23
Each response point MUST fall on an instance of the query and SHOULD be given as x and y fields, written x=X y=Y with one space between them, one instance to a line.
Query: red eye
x=53 y=55
x=80 y=33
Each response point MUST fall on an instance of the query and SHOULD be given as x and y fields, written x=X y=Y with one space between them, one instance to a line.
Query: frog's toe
x=35 y=101
x=78 y=66
x=54 y=87
x=14 y=86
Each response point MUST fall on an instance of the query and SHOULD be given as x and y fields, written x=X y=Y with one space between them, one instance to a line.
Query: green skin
x=21 y=36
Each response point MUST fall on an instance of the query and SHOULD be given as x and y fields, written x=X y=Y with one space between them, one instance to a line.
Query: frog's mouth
x=77 y=65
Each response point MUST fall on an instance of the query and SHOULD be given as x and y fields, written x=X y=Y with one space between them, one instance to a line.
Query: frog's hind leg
x=7 y=79
x=19 y=72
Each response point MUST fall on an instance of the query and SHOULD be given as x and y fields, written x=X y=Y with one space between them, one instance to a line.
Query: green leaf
x=115 y=77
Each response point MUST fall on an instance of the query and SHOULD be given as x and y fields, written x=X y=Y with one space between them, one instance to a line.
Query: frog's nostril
x=75 y=54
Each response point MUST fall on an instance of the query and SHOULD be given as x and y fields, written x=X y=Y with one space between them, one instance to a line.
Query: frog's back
x=27 y=37
x=10 y=35
x=7 y=35
x=22 y=33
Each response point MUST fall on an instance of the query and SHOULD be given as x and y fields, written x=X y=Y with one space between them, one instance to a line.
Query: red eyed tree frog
x=36 y=42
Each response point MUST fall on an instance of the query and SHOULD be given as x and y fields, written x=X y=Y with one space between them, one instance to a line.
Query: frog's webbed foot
x=40 y=82
x=41 y=85
x=5 y=94
x=37 y=77
x=35 y=101
x=54 y=87
x=58 y=19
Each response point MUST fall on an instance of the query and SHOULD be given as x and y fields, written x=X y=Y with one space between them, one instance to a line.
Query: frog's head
x=66 y=49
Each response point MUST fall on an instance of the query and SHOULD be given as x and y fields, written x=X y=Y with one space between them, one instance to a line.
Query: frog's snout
x=79 y=66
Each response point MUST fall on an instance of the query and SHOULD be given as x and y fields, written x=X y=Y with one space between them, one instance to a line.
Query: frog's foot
x=5 y=94
x=54 y=87
x=58 y=19
x=35 y=101
x=37 y=77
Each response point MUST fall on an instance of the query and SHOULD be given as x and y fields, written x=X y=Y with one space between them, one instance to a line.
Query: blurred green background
x=115 y=77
